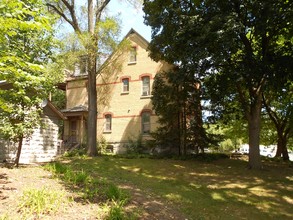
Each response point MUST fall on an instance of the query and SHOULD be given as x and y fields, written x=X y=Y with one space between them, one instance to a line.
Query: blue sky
x=131 y=17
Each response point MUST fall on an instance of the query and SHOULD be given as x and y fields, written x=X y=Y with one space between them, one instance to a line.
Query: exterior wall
x=125 y=108
x=76 y=93
x=42 y=146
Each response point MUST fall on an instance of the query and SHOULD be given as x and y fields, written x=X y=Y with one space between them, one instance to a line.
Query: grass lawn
x=222 y=189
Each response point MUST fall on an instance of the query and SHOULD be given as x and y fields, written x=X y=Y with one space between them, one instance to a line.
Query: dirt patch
x=14 y=181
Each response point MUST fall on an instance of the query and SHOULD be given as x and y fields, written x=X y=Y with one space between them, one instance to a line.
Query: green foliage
x=166 y=104
x=37 y=202
x=116 y=194
x=279 y=109
x=116 y=211
x=102 y=145
x=91 y=188
x=236 y=48
x=26 y=43
x=75 y=153
x=134 y=145
x=177 y=101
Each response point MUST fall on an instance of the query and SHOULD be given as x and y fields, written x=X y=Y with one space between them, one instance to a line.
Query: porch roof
x=75 y=111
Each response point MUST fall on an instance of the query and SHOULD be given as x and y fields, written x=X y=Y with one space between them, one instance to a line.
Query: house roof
x=54 y=109
x=132 y=31
x=129 y=34
x=79 y=108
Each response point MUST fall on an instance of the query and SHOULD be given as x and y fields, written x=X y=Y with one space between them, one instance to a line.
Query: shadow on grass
x=222 y=189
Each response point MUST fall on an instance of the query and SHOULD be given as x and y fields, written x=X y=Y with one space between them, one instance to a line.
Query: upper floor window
x=146 y=86
x=146 y=122
x=108 y=123
x=125 y=84
x=81 y=67
x=132 y=55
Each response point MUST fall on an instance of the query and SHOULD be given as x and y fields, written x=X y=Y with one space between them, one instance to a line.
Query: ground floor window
x=146 y=122
x=108 y=123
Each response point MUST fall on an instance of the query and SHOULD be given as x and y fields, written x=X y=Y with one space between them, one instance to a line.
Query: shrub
x=102 y=145
x=75 y=152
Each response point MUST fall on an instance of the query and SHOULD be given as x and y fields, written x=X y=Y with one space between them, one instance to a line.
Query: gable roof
x=131 y=32
x=55 y=110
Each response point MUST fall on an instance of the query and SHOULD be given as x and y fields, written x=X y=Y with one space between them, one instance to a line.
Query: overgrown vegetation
x=199 y=188
x=35 y=203
x=92 y=189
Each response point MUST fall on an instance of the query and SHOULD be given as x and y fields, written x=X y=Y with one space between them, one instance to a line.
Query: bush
x=75 y=152
x=134 y=146
x=102 y=145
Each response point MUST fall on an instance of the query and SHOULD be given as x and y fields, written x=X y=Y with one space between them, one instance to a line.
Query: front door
x=73 y=131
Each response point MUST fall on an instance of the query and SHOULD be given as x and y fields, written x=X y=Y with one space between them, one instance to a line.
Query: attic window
x=132 y=55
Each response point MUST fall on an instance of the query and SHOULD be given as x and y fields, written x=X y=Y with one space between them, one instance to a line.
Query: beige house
x=125 y=111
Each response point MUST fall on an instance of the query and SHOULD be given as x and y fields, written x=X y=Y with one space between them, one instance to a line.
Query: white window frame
x=108 y=123
x=125 y=88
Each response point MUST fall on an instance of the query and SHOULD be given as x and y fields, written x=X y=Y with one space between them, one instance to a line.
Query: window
x=132 y=55
x=108 y=123
x=125 y=83
x=146 y=122
x=146 y=86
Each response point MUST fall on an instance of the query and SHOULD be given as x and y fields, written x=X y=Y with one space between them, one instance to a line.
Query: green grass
x=222 y=189
x=38 y=202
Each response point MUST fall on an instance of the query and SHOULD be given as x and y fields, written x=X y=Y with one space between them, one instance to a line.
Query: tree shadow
x=224 y=187
x=4 y=189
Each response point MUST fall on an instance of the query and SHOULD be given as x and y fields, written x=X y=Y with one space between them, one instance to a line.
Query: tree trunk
x=16 y=162
x=282 y=146
x=92 y=111
x=254 y=120
x=92 y=89
x=200 y=133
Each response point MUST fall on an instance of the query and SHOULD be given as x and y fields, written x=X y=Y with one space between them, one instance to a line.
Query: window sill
x=132 y=63
x=146 y=96
x=124 y=93
x=107 y=132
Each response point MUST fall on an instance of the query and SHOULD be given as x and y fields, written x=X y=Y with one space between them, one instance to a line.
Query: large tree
x=90 y=38
x=235 y=43
x=279 y=107
x=176 y=98
x=26 y=43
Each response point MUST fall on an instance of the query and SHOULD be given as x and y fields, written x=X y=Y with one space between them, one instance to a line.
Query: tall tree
x=234 y=42
x=177 y=101
x=279 y=107
x=90 y=37
x=26 y=43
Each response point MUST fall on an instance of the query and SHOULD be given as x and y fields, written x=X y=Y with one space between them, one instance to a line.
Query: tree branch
x=73 y=22
x=100 y=10
x=273 y=116
x=60 y=13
